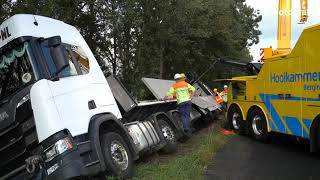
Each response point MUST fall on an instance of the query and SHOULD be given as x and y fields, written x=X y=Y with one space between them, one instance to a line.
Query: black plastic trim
x=10 y=45
x=54 y=138
x=71 y=163
x=70 y=166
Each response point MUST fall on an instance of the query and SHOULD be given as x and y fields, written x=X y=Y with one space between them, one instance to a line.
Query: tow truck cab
x=49 y=117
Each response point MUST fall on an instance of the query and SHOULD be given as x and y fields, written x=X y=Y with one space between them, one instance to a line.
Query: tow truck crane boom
x=303 y=11
x=284 y=27
x=251 y=68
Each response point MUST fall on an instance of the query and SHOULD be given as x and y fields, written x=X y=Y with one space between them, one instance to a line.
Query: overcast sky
x=268 y=25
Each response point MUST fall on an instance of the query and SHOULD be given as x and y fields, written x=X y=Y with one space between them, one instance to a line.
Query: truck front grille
x=18 y=141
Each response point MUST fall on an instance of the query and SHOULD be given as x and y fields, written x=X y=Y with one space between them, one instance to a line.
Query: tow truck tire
x=235 y=120
x=317 y=139
x=117 y=156
x=315 y=136
x=258 y=125
x=169 y=135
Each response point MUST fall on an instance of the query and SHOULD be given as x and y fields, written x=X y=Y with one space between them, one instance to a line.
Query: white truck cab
x=49 y=101
x=59 y=118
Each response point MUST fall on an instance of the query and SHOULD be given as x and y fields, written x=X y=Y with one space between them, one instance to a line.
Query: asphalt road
x=280 y=159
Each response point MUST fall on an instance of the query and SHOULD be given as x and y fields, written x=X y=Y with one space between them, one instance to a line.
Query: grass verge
x=190 y=161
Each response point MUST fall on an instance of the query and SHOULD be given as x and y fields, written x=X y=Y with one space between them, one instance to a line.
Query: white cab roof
x=25 y=25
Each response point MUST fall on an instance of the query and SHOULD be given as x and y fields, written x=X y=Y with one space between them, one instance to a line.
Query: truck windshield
x=15 y=70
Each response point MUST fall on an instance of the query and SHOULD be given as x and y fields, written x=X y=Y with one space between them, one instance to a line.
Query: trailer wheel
x=116 y=154
x=258 y=125
x=169 y=135
x=235 y=119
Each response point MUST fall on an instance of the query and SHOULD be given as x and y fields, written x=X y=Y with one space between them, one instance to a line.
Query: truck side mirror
x=59 y=56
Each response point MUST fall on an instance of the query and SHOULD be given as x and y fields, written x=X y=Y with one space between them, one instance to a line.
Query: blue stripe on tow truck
x=294 y=125
x=306 y=122
x=272 y=126
x=266 y=98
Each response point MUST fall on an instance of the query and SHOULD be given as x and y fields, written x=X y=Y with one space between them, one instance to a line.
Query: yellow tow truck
x=284 y=96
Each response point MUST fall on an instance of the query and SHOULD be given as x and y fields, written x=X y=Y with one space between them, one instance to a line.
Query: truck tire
x=258 y=125
x=169 y=135
x=235 y=120
x=315 y=137
x=117 y=156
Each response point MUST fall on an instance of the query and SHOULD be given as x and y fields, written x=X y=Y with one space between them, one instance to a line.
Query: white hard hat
x=177 y=76
x=225 y=86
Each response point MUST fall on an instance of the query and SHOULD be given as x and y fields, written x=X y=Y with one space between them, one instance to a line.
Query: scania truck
x=60 y=117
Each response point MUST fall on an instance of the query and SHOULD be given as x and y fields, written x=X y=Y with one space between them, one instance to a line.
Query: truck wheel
x=169 y=135
x=318 y=139
x=258 y=125
x=116 y=154
x=315 y=137
x=235 y=119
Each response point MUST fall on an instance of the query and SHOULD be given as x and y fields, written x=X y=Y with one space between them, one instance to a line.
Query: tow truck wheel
x=258 y=125
x=235 y=119
x=169 y=136
x=116 y=154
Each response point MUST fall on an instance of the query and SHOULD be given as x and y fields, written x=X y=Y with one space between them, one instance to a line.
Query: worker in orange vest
x=217 y=96
x=224 y=95
x=184 y=92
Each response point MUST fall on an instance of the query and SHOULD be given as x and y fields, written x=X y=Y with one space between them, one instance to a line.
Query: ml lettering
x=4 y=34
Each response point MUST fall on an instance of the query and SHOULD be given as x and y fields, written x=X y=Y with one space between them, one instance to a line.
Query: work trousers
x=184 y=110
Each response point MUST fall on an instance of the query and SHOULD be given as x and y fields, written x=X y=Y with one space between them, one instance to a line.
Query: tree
x=153 y=38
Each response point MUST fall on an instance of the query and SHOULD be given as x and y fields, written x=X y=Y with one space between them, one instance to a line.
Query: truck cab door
x=79 y=91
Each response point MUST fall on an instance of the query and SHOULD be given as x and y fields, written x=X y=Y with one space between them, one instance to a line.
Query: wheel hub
x=256 y=125
x=167 y=133
x=119 y=155
x=235 y=118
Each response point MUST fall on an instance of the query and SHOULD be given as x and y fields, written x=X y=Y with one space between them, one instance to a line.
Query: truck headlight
x=57 y=148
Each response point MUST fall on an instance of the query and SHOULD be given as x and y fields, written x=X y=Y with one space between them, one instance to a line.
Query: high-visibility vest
x=182 y=91
x=224 y=95
x=219 y=99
